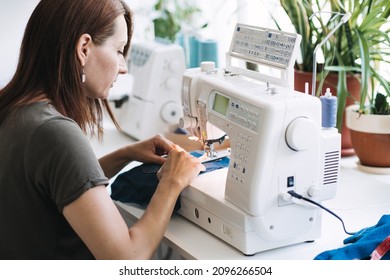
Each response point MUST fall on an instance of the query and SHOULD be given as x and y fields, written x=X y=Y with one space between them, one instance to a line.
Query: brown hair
x=48 y=62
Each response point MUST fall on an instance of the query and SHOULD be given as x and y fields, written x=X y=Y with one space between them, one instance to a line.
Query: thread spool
x=193 y=43
x=208 y=51
x=329 y=109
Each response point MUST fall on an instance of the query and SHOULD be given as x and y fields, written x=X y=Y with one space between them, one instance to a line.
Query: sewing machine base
x=204 y=204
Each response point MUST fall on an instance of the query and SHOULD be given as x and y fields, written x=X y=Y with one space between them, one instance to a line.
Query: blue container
x=193 y=45
x=208 y=51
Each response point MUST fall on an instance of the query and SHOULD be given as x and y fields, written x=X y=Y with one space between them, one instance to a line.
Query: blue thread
x=193 y=43
x=329 y=109
x=208 y=51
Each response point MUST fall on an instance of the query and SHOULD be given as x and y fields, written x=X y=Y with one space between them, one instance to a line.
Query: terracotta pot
x=353 y=85
x=370 y=135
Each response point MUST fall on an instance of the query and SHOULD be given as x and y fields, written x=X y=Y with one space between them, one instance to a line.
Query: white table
x=362 y=198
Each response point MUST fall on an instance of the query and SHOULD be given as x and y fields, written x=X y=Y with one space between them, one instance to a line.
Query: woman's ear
x=83 y=48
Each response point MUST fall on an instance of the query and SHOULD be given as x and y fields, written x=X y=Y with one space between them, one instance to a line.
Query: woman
x=53 y=201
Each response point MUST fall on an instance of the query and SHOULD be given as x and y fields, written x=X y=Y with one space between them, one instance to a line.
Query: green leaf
x=365 y=69
x=342 y=94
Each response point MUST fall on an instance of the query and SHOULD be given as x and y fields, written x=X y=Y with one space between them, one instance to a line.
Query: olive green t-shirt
x=46 y=162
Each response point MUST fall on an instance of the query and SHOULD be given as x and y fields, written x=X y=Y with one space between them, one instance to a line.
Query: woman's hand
x=151 y=150
x=180 y=168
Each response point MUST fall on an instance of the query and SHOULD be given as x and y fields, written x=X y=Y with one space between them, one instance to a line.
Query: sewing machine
x=154 y=103
x=277 y=145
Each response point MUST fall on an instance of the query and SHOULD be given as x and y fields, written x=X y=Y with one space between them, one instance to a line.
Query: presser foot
x=216 y=155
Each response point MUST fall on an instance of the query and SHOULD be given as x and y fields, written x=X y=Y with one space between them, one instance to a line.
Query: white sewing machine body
x=277 y=145
x=154 y=103
x=243 y=204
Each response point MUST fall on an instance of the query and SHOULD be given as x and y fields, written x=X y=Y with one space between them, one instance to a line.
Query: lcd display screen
x=221 y=104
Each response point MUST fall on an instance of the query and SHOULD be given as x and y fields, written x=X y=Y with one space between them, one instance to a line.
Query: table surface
x=361 y=199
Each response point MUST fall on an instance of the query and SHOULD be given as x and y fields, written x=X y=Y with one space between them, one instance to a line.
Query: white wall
x=13 y=19
x=222 y=15
x=258 y=13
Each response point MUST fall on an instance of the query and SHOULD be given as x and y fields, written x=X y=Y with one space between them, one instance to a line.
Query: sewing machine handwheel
x=171 y=112
x=301 y=134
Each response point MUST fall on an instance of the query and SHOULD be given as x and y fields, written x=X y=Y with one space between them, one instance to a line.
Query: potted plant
x=347 y=54
x=172 y=16
x=369 y=124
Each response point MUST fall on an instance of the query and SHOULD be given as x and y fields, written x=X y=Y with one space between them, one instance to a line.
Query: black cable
x=296 y=195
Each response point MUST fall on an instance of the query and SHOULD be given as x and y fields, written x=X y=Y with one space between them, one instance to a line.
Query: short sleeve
x=61 y=163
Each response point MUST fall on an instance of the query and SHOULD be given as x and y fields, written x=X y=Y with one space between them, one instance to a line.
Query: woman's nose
x=123 y=66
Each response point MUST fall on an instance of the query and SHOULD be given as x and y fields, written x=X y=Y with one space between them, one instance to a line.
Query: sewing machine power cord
x=299 y=196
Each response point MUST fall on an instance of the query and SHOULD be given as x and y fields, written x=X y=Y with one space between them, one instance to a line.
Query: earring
x=83 y=77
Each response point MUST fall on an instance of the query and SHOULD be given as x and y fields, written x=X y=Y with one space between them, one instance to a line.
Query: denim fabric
x=138 y=185
x=361 y=244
